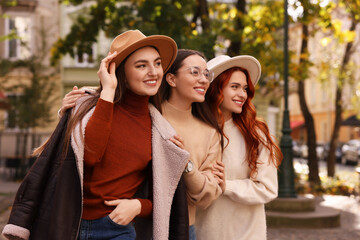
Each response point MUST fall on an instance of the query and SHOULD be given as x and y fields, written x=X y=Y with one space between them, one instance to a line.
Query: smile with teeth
x=238 y=102
x=200 y=90
x=150 y=82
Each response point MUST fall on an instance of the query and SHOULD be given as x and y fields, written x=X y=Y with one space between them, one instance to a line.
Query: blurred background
x=49 y=46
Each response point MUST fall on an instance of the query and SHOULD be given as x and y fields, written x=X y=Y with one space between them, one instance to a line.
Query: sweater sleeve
x=261 y=189
x=147 y=203
x=146 y=208
x=97 y=132
x=202 y=186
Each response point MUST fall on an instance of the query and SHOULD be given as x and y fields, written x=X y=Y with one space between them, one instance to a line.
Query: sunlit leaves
x=325 y=41
x=177 y=5
x=115 y=16
x=349 y=36
x=248 y=30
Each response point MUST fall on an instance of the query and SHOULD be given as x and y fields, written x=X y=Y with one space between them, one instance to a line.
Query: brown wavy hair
x=88 y=104
x=254 y=130
x=200 y=110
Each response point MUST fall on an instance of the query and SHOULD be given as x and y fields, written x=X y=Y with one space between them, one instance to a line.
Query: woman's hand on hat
x=218 y=169
x=107 y=77
x=125 y=210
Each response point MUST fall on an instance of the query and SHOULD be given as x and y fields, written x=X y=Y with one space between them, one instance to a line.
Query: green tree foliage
x=260 y=36
x=199 y=24
x=169 y=18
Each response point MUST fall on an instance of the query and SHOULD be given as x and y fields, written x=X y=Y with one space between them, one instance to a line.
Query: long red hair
x=254 y=130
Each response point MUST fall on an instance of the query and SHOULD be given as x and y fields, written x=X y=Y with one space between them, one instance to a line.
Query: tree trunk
x=204 y=15
x=309 y=120
x=202 y=12
x=338 y=105
x=235 y=45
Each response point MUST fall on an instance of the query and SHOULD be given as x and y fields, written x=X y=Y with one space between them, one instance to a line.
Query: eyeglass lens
x=196 y=72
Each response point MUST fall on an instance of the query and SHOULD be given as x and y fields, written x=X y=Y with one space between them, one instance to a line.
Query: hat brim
x=165 y=45
x=247 y=62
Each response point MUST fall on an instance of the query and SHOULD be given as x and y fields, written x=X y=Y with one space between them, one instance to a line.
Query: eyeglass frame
x=197 y=75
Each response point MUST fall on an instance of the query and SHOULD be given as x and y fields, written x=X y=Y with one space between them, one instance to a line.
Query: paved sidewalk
x=349 y=230
x=349 y=220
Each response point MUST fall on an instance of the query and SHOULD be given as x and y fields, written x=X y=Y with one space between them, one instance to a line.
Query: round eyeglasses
x=196 y=73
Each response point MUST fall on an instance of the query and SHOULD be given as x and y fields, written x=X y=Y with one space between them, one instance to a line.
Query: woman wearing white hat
x=250 y=155
x=89 y=187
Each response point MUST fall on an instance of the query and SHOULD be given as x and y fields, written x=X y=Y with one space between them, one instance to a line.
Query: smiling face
x=185 y=87
x=235 y=94
x=144 y=72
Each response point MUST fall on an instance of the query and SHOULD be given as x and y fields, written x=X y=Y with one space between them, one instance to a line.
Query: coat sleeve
x=260 y=189
x=29 y=194
x=202 y=186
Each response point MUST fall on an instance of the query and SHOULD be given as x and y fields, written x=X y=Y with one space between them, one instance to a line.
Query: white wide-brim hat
x=222 y=63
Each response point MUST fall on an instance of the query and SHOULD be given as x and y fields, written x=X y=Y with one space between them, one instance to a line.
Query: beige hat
x=222 y=63
x=131 y=40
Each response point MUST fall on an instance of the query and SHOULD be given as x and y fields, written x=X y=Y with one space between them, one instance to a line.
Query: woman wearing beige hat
x=250 y=155
x=89 y=181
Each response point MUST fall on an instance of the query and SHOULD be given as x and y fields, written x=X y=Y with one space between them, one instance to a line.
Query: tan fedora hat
x=222 y=63
x=129 y=41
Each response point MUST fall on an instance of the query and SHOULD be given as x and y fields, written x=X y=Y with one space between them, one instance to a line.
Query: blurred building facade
x=36 y=27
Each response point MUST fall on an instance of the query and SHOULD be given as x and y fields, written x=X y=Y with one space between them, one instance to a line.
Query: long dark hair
x=199 y=110
x=254 y=130
x=89 y=103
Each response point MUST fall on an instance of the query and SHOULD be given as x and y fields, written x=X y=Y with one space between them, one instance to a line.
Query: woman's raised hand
x=107 y=77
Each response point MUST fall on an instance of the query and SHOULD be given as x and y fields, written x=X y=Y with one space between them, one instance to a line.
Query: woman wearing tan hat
x=94 y=185
x=181 y=100
x=250 y=155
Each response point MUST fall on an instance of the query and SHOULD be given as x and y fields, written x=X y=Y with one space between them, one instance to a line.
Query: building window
x=18 y=47
x=86 y=60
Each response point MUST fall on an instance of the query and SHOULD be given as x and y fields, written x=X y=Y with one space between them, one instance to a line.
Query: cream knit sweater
x=239 y=213
x=203 y=144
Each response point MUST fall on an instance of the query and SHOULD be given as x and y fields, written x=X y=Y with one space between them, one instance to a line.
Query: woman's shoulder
x=207 y=130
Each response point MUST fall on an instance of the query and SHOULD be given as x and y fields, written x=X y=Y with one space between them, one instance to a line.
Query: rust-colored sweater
x=117 y=153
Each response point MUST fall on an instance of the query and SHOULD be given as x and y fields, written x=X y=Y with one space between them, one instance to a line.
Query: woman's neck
x=227 y=115
x=179 y=103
